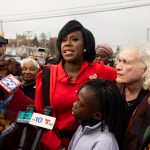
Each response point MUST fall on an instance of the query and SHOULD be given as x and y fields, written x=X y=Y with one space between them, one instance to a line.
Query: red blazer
x=63 y=95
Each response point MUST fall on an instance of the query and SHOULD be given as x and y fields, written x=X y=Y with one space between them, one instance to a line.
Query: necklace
x=130 y=103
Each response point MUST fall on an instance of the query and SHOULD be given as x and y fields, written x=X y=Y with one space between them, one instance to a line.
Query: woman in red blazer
x=76 y=46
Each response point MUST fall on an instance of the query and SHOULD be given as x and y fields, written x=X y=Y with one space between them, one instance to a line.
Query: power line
x=78 y=12
x=71 y=8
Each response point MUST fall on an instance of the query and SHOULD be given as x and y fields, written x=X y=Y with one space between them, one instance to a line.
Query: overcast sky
x=114 y=27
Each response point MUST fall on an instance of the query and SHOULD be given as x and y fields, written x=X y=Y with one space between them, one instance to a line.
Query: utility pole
x=2 y=33
x=1 y=26
x=147 y=34
x=28 y=34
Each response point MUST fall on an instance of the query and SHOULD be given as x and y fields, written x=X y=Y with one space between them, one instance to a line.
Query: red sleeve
x=106 y=72
x=111 y=73
x=18 y=103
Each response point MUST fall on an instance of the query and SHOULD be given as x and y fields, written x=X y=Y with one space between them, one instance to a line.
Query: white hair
x=143 y=50
x=26 y=60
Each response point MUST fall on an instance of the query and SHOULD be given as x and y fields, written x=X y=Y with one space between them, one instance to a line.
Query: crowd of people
x=11 y=104
x=99 y=101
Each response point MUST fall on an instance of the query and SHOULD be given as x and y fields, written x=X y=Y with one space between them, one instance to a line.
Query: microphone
x=8 y=85
x=43 y=121
x=24 y=118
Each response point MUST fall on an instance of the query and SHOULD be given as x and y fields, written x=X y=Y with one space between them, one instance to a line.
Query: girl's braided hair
x=110 y=103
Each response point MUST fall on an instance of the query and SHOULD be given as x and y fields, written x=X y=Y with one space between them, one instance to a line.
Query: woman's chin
x=119 y=80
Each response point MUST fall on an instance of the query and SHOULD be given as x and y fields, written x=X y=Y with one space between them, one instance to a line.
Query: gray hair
x=26 y=60
x=143 y=50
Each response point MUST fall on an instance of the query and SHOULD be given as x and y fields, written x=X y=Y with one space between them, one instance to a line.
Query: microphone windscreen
x=31 y=108
x=48 y=111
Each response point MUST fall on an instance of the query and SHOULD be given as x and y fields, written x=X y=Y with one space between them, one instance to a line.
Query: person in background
x=9 y=65
x=104 y=53
x=3 y=43
x=100 y=109
x=133 y=78
x=14 y=68
x=51 y=60
x=76 y=46
x=10 y=105
x=40 y=56
x=30 y=68
x=3 y=62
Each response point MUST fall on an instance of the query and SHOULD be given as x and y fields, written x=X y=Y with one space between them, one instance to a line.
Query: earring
x=84 y=50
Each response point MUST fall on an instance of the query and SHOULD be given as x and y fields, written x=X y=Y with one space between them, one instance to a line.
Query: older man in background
x=3 y=62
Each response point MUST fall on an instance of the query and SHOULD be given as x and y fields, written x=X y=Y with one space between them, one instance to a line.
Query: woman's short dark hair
x=89 y=41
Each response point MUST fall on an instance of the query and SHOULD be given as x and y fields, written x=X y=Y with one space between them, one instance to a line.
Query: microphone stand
x=37 y=139
x=23 y=138
x=30 y=108
x=47 y=111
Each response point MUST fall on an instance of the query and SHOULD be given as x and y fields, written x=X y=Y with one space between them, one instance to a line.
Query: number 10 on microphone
x=43 y=121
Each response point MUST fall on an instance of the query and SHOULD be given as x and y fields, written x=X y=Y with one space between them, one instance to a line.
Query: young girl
x=101 y=114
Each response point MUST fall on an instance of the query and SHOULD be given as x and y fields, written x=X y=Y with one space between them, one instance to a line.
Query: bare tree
x=43 y=39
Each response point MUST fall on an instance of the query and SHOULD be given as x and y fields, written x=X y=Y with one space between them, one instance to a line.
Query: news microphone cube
x=42 y=121
x=9 y=83
x=24 y=117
